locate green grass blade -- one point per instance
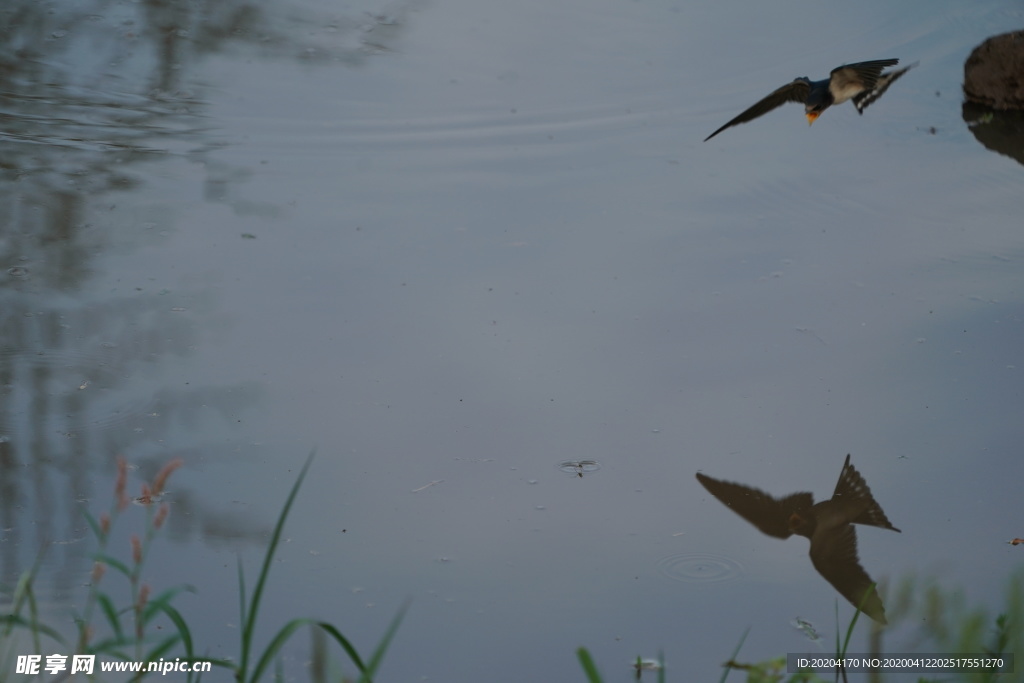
(12, 620)
(162, 647)
(241, 592)
(93, 524)
(186, 641)
(249, 624)
(378, 654)
(587, 662)
(157, 604)
(182, 626)
(33, 609)
(349, 649)
(366, 669)
(110, 612)
(275, 645)
(25, 595)
(732, 657)
(22, 592)
(839, 648)
(112, 561)
(853, 622)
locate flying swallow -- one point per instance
(862, 82)
(828, 525)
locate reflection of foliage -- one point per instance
(770, 671)
(105, 46)
(290, 32)
(89, 91)
(945, 624)
(91, 87)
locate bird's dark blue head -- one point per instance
(818, 100)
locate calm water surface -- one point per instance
(479, 258)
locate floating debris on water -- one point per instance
(646, 665)
(807, 629)
(150, 499)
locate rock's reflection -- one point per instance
(828, 525)
(993, 106)
(999, 131)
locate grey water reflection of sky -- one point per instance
(457, 244)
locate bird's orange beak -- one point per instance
(812, 116)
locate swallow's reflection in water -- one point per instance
(828, 525)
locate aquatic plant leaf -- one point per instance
(587, 662)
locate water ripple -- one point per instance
(700, 567)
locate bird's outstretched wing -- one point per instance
(851, 488)
(852, 80)
(862, 100)
(796, 91)
(860, 74)
(834, 555)
(769, 514)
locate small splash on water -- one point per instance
(702, 567)
(579, 467)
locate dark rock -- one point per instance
(994, 73)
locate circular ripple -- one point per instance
(702, 567)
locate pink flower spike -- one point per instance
(136, 549)
(161, 515)
(161, 477)
(122, 481)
